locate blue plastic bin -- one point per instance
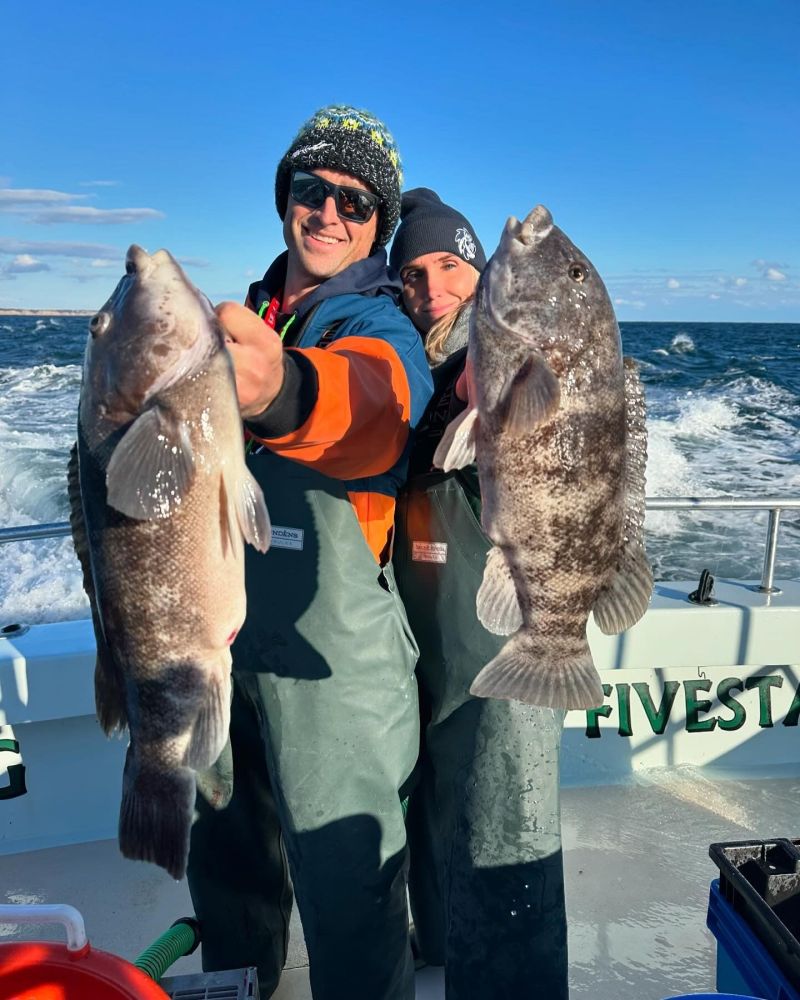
(744, 966)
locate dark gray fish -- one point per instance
(557, 424)
(161, 501)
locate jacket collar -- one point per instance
(370, 277)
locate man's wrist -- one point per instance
(294, 402)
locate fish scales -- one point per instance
(161, 502)
(556, 426)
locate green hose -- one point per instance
(181, 939)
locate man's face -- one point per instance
(320, 243)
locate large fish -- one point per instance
(557, 424)
(161, 501)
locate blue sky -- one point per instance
(663, 137)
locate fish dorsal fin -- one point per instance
(152, 467)
(457, 447)
(247, 515)
(109, 684)
(497, 603)
(532, 396)
(624, 599)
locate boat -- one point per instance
(696, 742)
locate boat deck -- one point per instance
(637, 871)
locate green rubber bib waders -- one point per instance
(324, 733)
(486, 879)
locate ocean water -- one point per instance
(723, 420)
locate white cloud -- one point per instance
(46, 207)
(23, 264)
(47, 248)
(770, 269)
(103, 263)
(635, 303)
(14, 199)
(673, 283)
(740, 281)
(713, 295)
(99, 184)
(94, 216)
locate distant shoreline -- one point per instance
(47, 312)
(670, 322)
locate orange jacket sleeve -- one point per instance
(360, 421)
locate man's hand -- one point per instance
(257, 355)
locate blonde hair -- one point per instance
(441, 330)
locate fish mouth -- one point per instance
(537, 225)
(518, 237)
(164, 291)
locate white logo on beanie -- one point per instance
(465, 244)
(305, 150)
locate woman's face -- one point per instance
(435, 284)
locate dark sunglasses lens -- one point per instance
(355, 205)
(352, 204)
(308, 190)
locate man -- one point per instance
(331, 378)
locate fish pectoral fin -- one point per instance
(457, 446)
(497, 602)
(533, 396)
(248, 517)
(211, 725)
(624, 599)
(152, 467)
(529, 672)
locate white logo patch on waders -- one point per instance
(429, 552)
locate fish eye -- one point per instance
(577, 272)
(99, 323)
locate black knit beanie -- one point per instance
(355, 142)
(427, 225)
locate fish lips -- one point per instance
(519, 239)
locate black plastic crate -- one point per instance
(760, 879)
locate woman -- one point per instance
(486, 877)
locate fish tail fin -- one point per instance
(526, 670)
(210, 729)
(155, 816)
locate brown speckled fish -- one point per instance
(557, 425)
(161, 501)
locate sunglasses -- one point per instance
(352, 204)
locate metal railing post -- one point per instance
(768, 573)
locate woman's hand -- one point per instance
(257, 355)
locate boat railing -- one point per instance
(775, 506)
